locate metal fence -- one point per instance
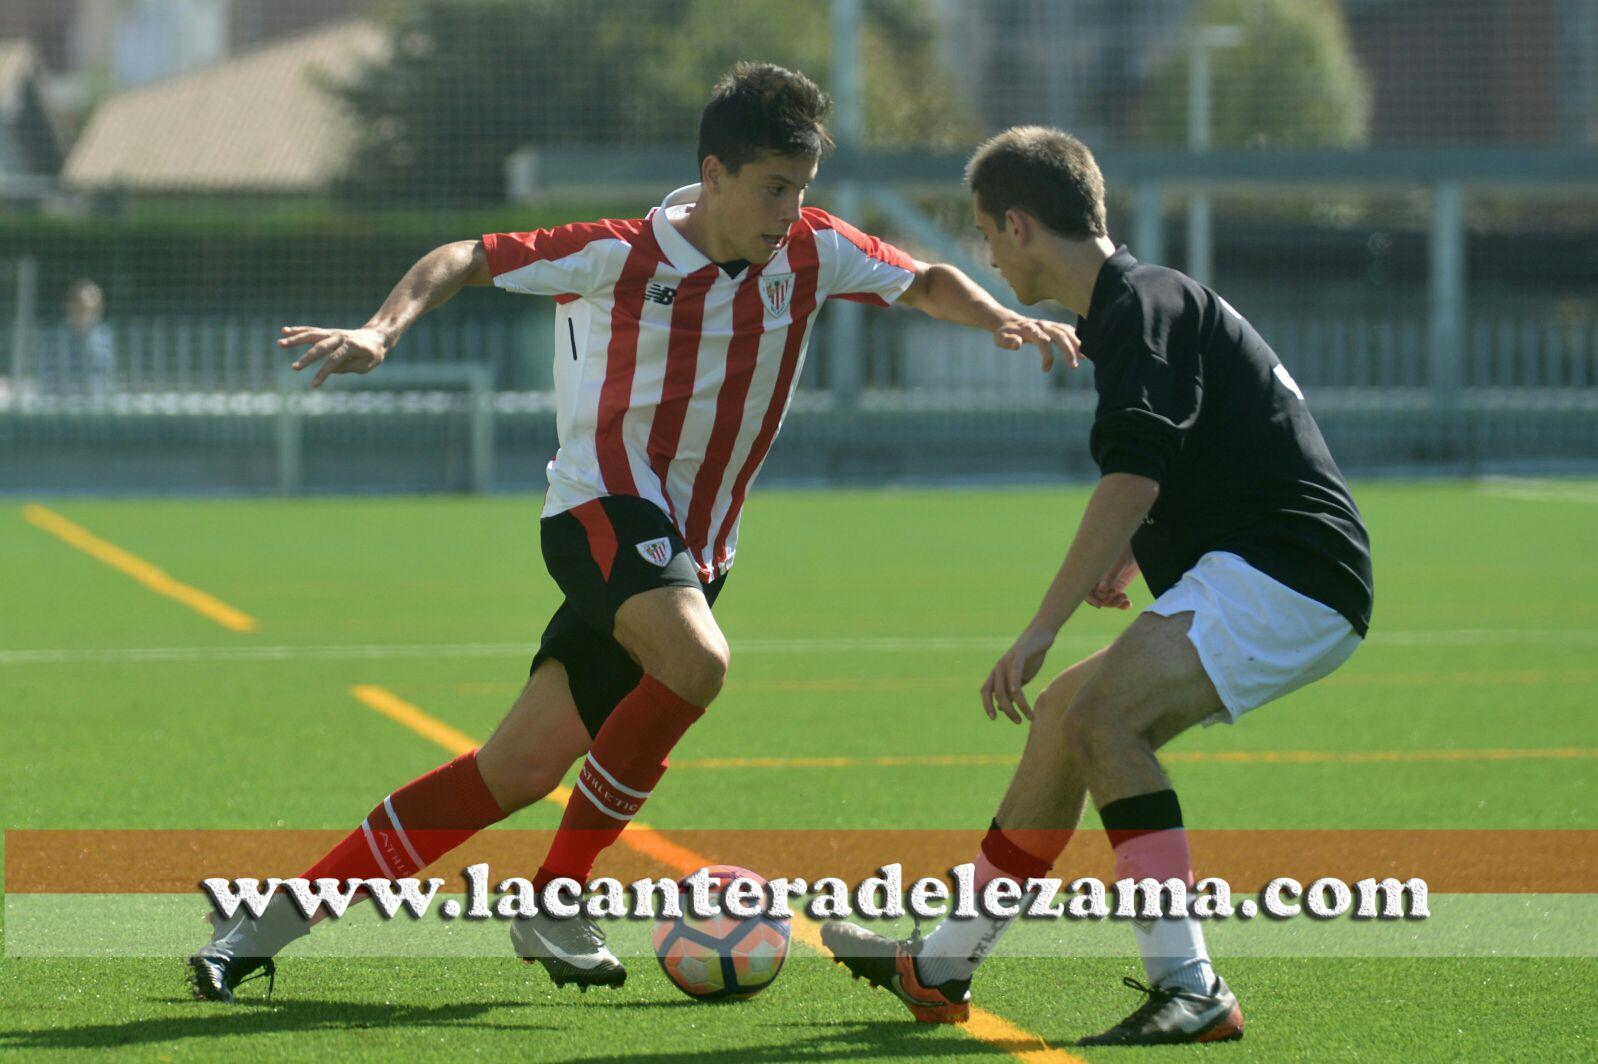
(206, 404)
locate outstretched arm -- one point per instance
(945, 293)
(435, 278)
(1118, 506)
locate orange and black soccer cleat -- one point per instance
(891, 964)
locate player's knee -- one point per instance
(518, 778)
(697, 672)
(1049, 707)
(1092, 729)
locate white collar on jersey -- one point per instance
(683, 255)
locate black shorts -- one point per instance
(601, 554)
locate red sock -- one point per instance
(626, 760)
(414, 826)
(1019, 854)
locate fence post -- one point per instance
(481, 449)
(22, 324)
(289, 450)
(846, 328)
(1446, 332)
(1148, 223)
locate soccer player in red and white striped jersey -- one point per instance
(679, 340)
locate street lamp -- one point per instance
(1200, 237)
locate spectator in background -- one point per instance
(80, 355)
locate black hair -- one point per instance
(762, 109)
(1046, 172)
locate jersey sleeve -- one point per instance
(1150, 382)
(861, 267)
(569, 260)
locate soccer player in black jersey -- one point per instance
(1217, 485)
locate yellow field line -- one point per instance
(402, 712)
(131, 565)
(1219, 757)
(984, 1026)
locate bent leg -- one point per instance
(1150, 688)
(1034, 823)
(1046, 792)
(670, 633)
(538, 741)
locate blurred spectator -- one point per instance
(79, 356)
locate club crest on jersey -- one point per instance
(656, 551)
(775, 291)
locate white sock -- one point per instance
(958, 945)
(1174, 954)
(1173, 949)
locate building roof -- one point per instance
(258, 122)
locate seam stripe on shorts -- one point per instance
(601, 535)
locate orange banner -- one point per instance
(1465, 862)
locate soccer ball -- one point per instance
(724, 958)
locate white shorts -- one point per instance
(1257, 638)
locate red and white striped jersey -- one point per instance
(671, 377)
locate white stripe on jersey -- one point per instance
(622, 384)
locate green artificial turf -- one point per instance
(861, 626)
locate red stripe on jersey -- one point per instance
(601, 535)
(682, 362)
(512, 251)
(621, 361)
(880, 250)
(748, 324)
(805, 261)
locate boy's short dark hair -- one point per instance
(759, 109)
(1045, 172)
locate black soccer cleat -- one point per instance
(216, 973)
(891, 964)
(572, 950)
(1172, 1016)
(242, 948)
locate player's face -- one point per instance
(1006, 255)
(760, 203)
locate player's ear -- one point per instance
(1019, 225)
(710, 173)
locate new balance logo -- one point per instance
(659, 293)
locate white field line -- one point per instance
(1531, 490)
(1440, 637)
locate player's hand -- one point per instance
(1110, 591)
(339, 350)
(1049, 336)
(1002, 691)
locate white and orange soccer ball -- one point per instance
(724, 958)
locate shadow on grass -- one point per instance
(840, 1041)
(211, 1020)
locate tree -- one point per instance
(907, 101)
(1293, 82)
(467, 82)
